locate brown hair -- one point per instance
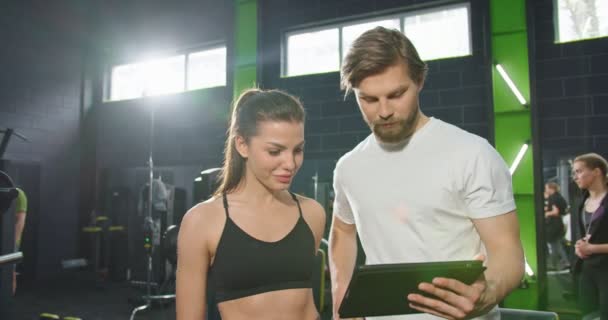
(553, 186)
(594, 161)
(374, 51)
(252, 107)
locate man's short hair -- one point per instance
(374, 51)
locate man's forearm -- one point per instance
(505, 271)
(342, 258)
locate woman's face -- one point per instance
(275, 154)
(583, 176)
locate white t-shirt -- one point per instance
(415, 203)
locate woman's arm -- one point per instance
(192, 267)
(585, 249)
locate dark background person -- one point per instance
(555, 208)
(592, 249)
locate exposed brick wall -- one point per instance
(457, 90)
(571, 91)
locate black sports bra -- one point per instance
(246, 266)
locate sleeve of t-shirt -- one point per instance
(561, 204)
(342, 208)
(21, 203)
(488, 188)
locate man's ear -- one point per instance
(421, 84)
(241, 146)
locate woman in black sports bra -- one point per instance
(252, 245)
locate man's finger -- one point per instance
(437, 306)
(449, 296)
(480, 256)
(472, 292)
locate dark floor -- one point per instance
(81, 294)
(560, 295)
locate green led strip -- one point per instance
(513, 128)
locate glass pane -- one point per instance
(581, 19)
(313, 52)
(207, 69)
(164, 75)
(427, 31)
(127, 82)
(350, 33)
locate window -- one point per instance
(350, 33)
(440, 33)
(165, 75)
(313, 52)
(207, 69)
(194, 70)
(319, 50)
(580, 19)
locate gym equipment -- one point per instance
(8, 257)
(519, 314)
(170, 244)
(148, 222)
(149, 230)
(205, 185)
(7, 192)
(8, 133)
(11, 258)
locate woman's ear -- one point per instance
(241, 146)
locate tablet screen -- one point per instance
(381, 290)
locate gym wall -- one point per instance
(457, 90)
(571, 92)
(189, 127)
(41, 60)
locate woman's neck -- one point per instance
(597, 190)
(255, 192)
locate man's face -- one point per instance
(389, 103)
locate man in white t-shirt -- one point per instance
(419, 189)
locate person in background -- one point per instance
(555, 209)
(589, 172)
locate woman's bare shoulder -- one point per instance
(205, 217)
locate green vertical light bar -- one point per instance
(513, 128)
(245, 45)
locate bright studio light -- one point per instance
(510, 83)
(520, 155)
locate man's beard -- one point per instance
(399, 131)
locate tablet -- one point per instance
(381, 290)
